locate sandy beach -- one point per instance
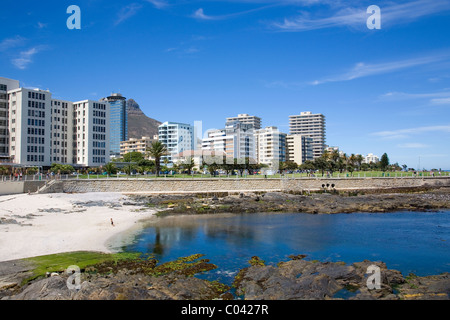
(40, 224)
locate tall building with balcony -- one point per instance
(61, 131)
(246, 119)
(136, 145)
(299, 148)
(29, 126)
(5, 86)
(218, 141)
(243, 142)
(311, 125)
(42, 130)
(90, 133)
(177, 137)
(118, 122)
(270, 146)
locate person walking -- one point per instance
(112, 222)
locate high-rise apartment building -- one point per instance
(29, 126)
(118, 121)
(243, 143)
(61, 132)
(5, 86)
(41, 130)
(299, 148)
(90, 133)
(177, 137)
(246, 119)
(270, 146)
(311, 125)
(218, 141)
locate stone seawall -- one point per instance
(15, 187)
(242, 185)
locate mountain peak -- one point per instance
(140, 125)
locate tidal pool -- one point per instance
(411, 242)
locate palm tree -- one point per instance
(156, 150)
(351, 161)
(188, 165)
(110, 168)
(359, 161)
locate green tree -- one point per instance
(61, 168)
(358, 161)
(133, 156)
(110, 168)
(188, 165)
(308, 165)
(146, 165)
(321, 164)
(384, 162)
(288, 165)
(156, 150)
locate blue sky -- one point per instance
(385, 90)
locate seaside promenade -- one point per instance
(212, 185)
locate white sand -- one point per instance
(74, 228)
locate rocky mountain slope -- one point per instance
(140, 125)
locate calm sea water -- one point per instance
(417, 242)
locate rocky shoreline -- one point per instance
(295, 279)
(324, 202)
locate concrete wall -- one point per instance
(238, 185)
(15, 187)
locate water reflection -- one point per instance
(410, 242)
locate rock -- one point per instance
(302, 279)
(52, 288)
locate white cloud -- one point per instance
(405, 133)
(404, 95)
(25, 58)
(357, 17)
(412, 145)
(441, 101)
(199, 14)
(160, 4)
(10, 43)
(434, 98)
(364, 70)
(127, 12)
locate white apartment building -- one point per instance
(41, 130)
(136, 145)
(177, 137)
(29, 126)
(218, 141)
(371, 158)
(299, 148)
(312, 125)
(242, 145)
(5, 86)
(61, 132)
(90, 133)
(236, 141)
(246, 119)
(270, 146)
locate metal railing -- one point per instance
(357, 175)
